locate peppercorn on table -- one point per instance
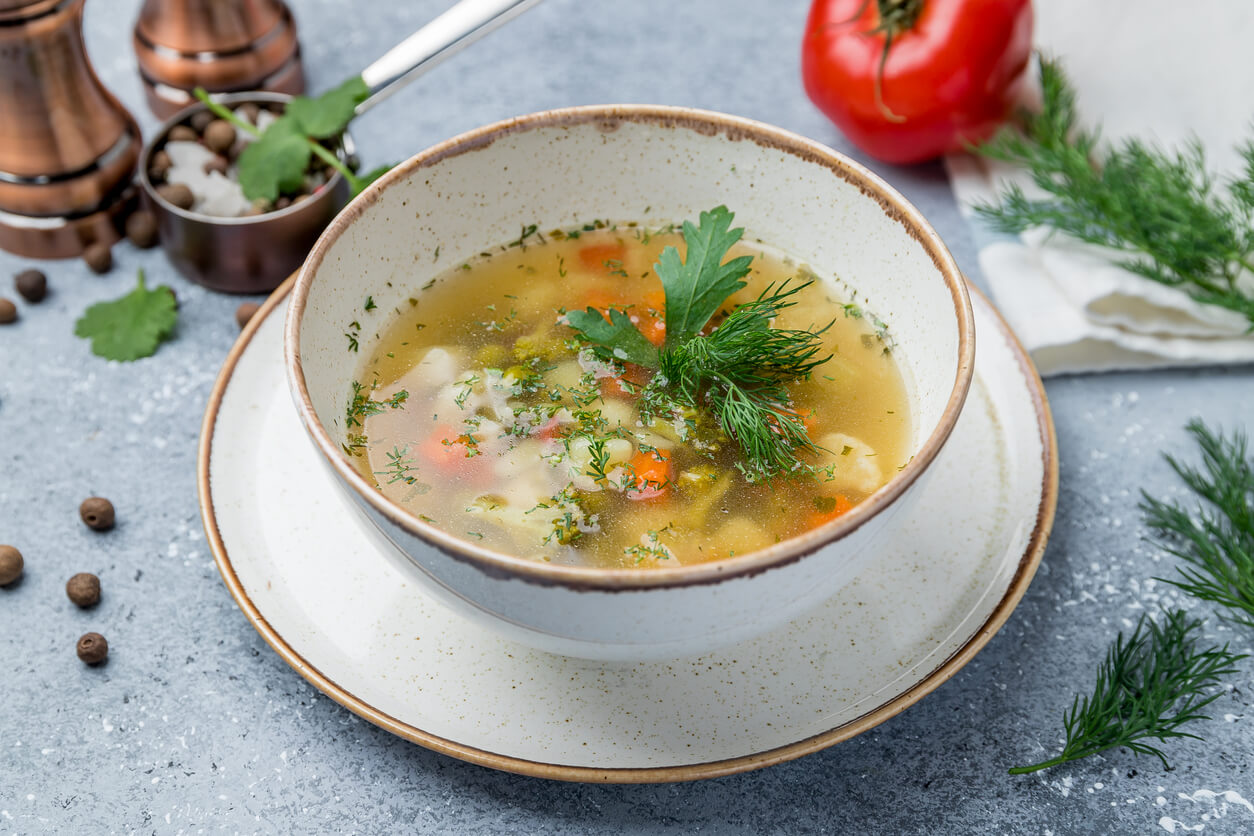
(192, 722)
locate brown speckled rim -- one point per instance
(499, 564)
(1024, 572)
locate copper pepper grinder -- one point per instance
(67, 147)
(224, 46)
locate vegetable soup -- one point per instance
(623, 396)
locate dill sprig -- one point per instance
(1148, 687)
(1158, 206)
(740, 370)
(1216, 540)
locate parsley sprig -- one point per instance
(131, 327)
(740, 369)
(276, 162)
(1159, 207)
(1215, 539)
(1148, 687)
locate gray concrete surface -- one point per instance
(197, 726)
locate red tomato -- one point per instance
(950, 76)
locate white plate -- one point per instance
(304, 567)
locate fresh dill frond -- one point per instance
(740, 371)
(1216, 539)
(1158, 206)
(1148, 688)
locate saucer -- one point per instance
(306, 572)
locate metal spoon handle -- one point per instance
(460, 26)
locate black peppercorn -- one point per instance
(32, 285)
(141, 229)
(178, 194)
(92, 648)
(97, 513)
(8, 311)
(245, 312)
(182, 133)
(99, 257)
(83, 589)
(10, 565)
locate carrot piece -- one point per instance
(594, 256)
(446, 449)
(842, 505)
(806, 414)
(650, 474)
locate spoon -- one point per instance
(254, 254)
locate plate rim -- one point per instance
(1018, 585)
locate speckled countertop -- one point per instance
(195, 725)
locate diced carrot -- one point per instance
(806, 414)
(594, 256)
(446, 449)
(651, 474)
(842, 506)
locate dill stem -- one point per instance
(1024, 770)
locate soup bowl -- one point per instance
(657, 165)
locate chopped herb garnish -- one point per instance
(370, 305)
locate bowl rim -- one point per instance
(507, 566)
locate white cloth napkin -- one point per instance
(1155, 69)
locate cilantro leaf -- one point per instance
(275, 163)
(697, 286)
(616, 339)
(329, 114)
(130, 327)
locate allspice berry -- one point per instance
(201, 120)
(220, 135)
(10, 565)
(99, 257)
(97, 513)
(249, 111)
(141, 229)
(159, 165)
(32, 285)
(182, 133)
(83, 589)
(92, 648)
(216, 163)
(178, 194)
(245, 312)
(8, 311)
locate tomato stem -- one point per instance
(896, 17)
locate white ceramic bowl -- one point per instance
(654, 164)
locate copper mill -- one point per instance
(67, 147)
(224, 46)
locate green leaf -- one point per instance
(360, 181)
(131, 327)
(329, 114)
(275, 163)
(697, 286)
(616, 339)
